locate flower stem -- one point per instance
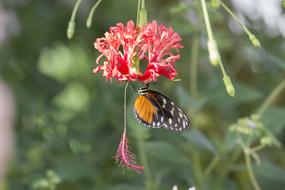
(141, 13)
(138, 11)
(125, 107)
(194, 66)
(196, 164)
(143, 4)
(250, 171)
(271, 97)
(207, 21)
(214, 54)
(90, 16)
(258, 148)
(212, 165)
(252, 37)
(71, 23)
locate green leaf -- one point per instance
(186, 99)
(126, 187)
(63, 63)
(166, 152)
(72, 170)
(271, 172)
(274, 119)
(197, 137)
(75, 97)
(243, 94)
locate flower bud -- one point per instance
(175, 187)
(254, 40)
(216, 3)
(89, 22)
(229, 86)
(70, 29)
(213, 53)
(266, 141)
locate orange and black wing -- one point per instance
(154, 109)
(145, 111)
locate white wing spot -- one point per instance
(180, 114)
(161, 119)
(170, 121)
(172, 103)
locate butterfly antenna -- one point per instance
(174, 80)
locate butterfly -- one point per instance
(155, 110)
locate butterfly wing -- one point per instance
(174, 118)
(154, 109)
(146, 111)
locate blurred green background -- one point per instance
(69, 121)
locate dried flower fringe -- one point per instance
(125, 157)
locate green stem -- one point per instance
(271, 97)
(194, 66)
(138, 11)
(212, 165)
(235, 17)
(225, 170)
(143, 4)
(125, 107)
(75, 10)
(141, 14)
(207, 20)
(71, 23)
(149, 179)
(214, 54)
(196, 160)
(250, 171)
(90, 16)
(250, 35)
(258, 148)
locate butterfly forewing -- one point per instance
(145, 111)
(158, 111)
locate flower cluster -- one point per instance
(132, 53)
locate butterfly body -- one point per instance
(155, 110)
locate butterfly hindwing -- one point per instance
(174, 118)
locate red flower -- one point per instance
(125, 157)
(128, 49)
